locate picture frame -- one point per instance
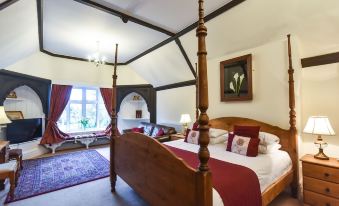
(236, 79)
(12, 95)
(14, 115)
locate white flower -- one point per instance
(241, 78)
(236, 75)
(232, 87)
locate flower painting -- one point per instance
(236, 79)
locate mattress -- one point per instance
(268, 167)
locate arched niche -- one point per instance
(27, 101)
(147, 92)
(127, 114)
(12, 80)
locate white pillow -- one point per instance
(268, 138)
(216, 132)
(268, 149)
(221, 139)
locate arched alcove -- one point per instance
(132, 104)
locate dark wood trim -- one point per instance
(193, 26)
(7, 3)
(176, 85)
(74, 58)
(320, 60)
(40, 24)
(125, 17)
(183, 52)
(135, 86)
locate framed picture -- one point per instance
(14, 115)
(236, 79)
(12, 95)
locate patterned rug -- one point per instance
(40, 176)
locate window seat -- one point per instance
(85, 138)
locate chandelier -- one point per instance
(97, 58)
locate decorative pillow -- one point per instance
(247, 131)
(148, 130)
(269, 149)
(160, 132)
(217, 140)
(216, 132)
(268, 138)
(195, 126)
(243, 145)
(138, 129)
(186, 134)
(193, 137)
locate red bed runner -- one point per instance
(236, 185)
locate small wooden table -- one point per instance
(4, 148)
(321, 181)
(176, 136)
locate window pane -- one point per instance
(103, 117)
(75, 116)
(91, 95)
(91, 114)
(62, 122)
(76, 94)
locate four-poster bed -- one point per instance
(160, 177)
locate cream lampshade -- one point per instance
(184, 120)
(3, 117)
(319, 125)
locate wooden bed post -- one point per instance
(196, 93)
(204, 191)
(113, 122)
(293, 128)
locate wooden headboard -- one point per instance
(227, 123)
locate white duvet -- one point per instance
(268, 167)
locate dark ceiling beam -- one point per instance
(176, 85)
(320, 60)
(183, 52)
(74, 58)
(208, 17)
(125, 17)
(41, 38)
(7, 3)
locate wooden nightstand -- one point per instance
(176, 136)
(321, 181)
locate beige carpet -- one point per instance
(97, 193)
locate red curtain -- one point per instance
(59, 99)
(106, 94)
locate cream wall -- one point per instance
(66, 71)
(270, 89)
(320, 96)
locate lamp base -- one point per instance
(321, 155)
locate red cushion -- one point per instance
(186, 135)
(160, 132)
(195, 126)
(244, 145)
(247, 131)
(137, 129)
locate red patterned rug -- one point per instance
(44, 175)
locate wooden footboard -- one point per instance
(158, 175)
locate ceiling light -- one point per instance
(97, 58)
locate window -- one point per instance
(85, 105)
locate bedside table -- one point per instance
(176, 136)
(321, 181)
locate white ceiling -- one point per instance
(173, 15)
(19, 32)
(72, 29)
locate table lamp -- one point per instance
(319, 125)
(184, 120)
(3, 117)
